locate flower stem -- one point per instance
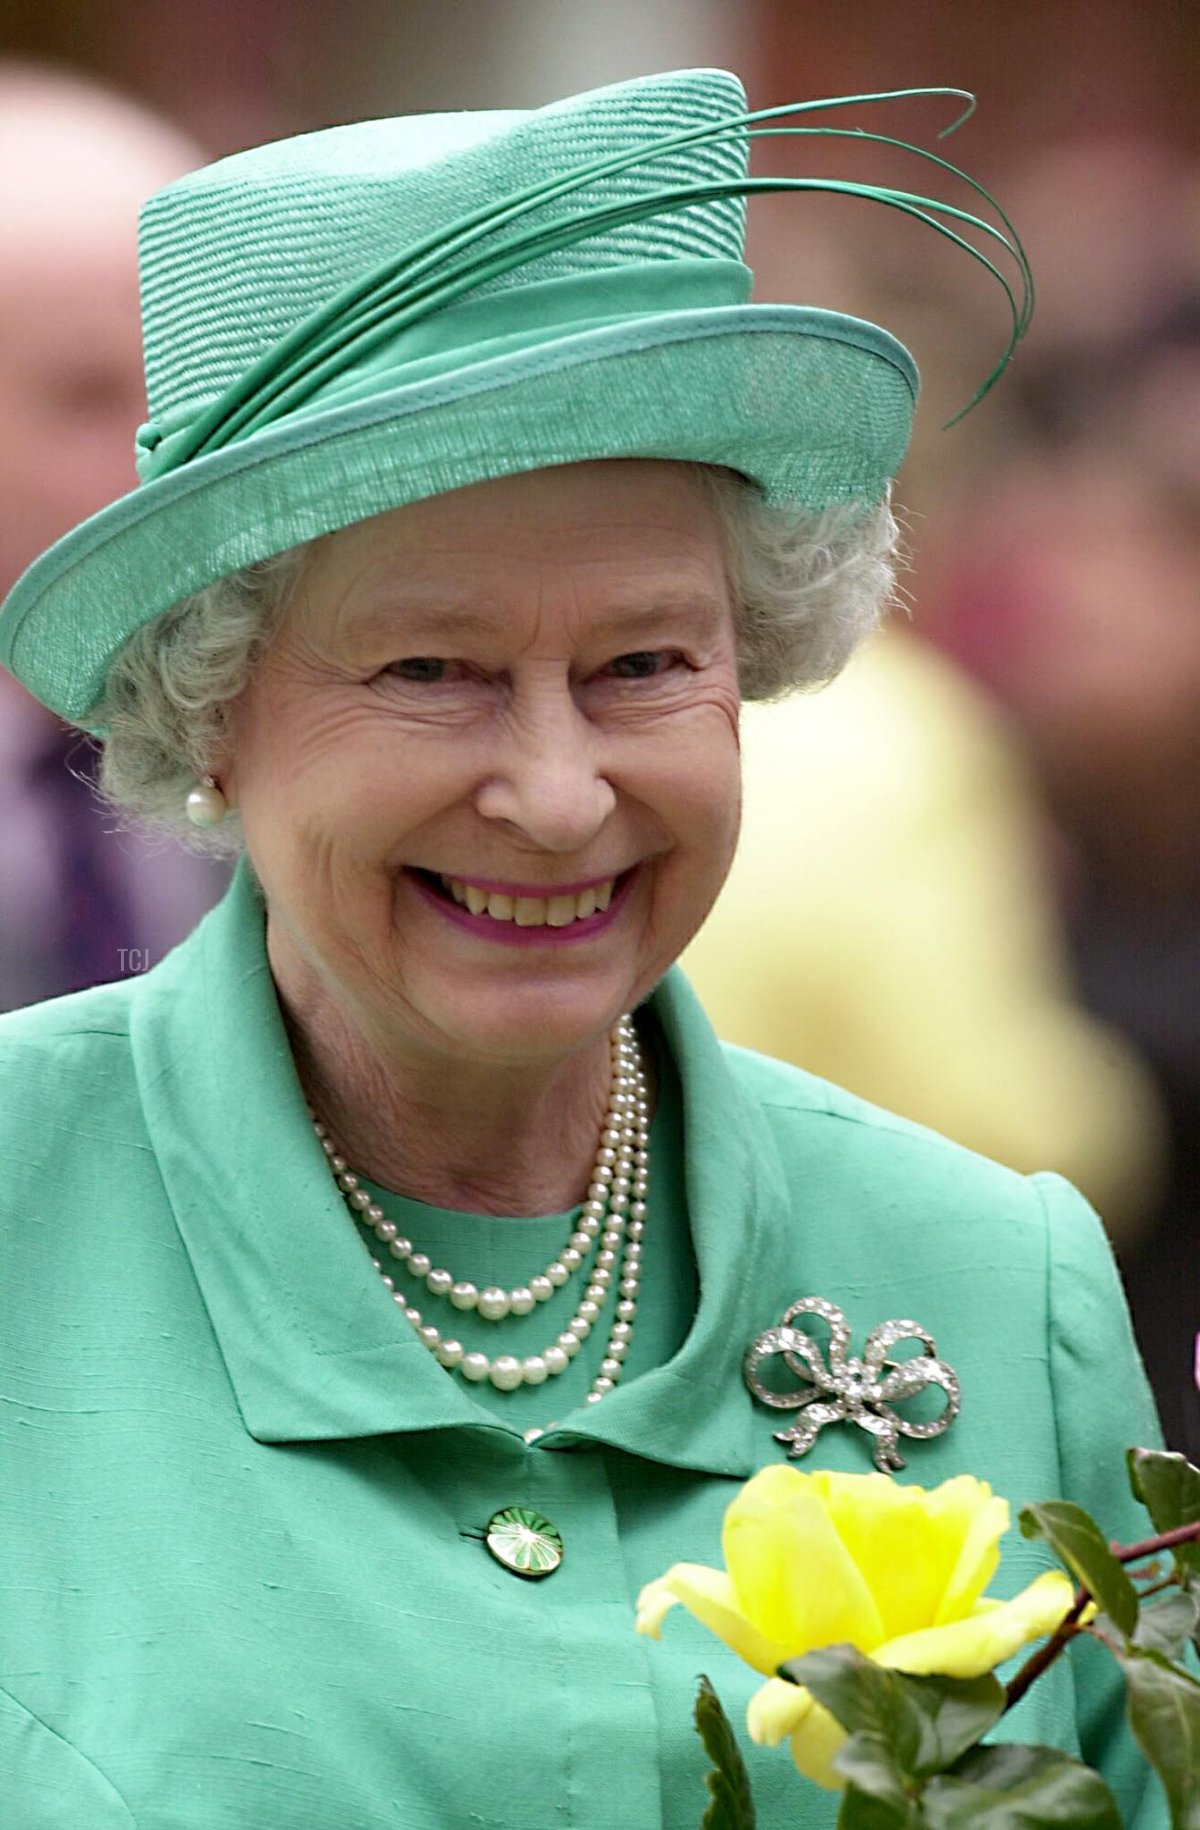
(1149, 1547)
(1046, 1655)
(1069, 1626)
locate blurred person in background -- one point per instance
(79, 901)
(890, 921)
(1068, 579)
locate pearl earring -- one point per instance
(206, 805)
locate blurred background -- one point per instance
(986, 909)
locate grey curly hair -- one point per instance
(807, 588)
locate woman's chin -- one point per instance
(522, 1022)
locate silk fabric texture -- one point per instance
(237, 1493)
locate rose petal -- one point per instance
(709, 1594)
(780, 1710)
(795, 1580)
(968, 1648)
(979, 1557)
(776, 1710)
(653, 1605)
(910, 1544)
(818, 1738)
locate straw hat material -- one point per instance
(342, 323)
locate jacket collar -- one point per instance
(310, 1351)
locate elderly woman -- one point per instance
(401, 1236)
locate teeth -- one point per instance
(531, 911)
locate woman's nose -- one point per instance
(546, 778)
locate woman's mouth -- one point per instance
(557, 911)
(510, 907)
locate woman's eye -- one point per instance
(643, 664)
(421, 670)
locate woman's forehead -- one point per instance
(623, 535)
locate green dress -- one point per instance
(241, 1505)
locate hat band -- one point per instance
(477, 330)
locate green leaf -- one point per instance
(1080, 1543)
(865, 1810)
(732, 1806)
(1016, 1788)
(860, 1694)
(955, 1713)
(1164, 1713)
(1169, 1488)
(884, 1740)
(866, 1761)
(923, 1723)
(1166, 1624)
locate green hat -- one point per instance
(342, 323)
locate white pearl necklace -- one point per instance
(614, 1213)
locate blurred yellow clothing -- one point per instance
(889, 923)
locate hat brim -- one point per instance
(812, 406)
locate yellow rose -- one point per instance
(818, 1559)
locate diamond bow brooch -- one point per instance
(850, 1390)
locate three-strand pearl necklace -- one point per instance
(612, 1221)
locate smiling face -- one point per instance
(488, 767)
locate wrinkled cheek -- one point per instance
(706, 832)
(719, 816)
(338, 901)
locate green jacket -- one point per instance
(237, 1494)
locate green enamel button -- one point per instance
(524, 1541)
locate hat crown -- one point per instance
(238, 253)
